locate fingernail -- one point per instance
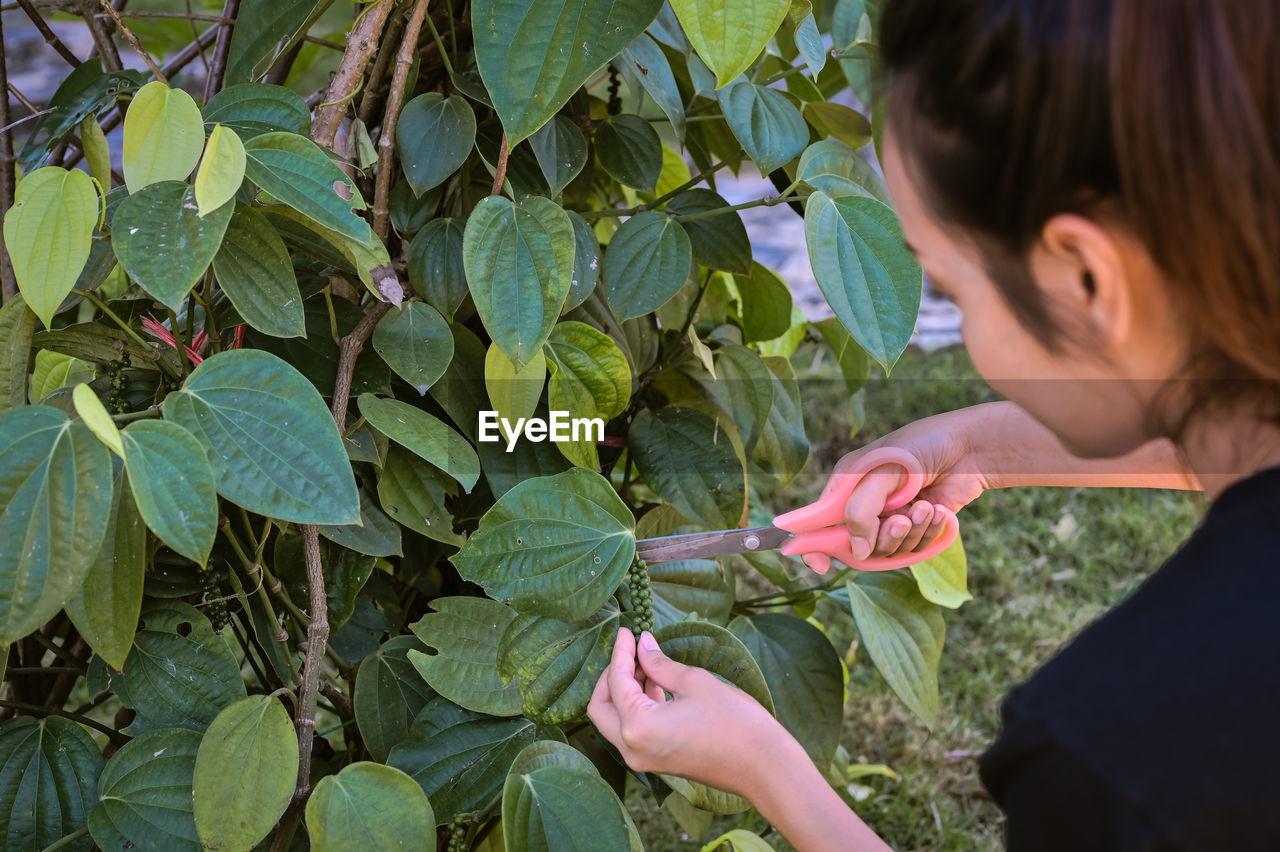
(899, 528)
(919, 513)
(861, 548)
(647, 642)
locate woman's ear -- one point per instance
(1081, 266)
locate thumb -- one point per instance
(862, 509)
(661, 669)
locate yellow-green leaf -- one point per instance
(95, 416)
(221, 170)
(944, 578)
(96, 152)
(48, 232)
(729, 34)
(163, 136)
(513, 390)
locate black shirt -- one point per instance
(1158, 727)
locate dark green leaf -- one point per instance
(766, 304)
(49, 772)
(180, 673)
(145, 793)
(686, 459)
(519, 266)
(589, 378)
(415, 341)
(345, 573)
(804, 676)
(903, 633)
(424, 435)
(235, 809)
(270, 438)
(412, 492)
(87, 90)
(316, 354)
(629, 149)
(854, 364)
(410, 213)
(561, 151)
(254, 270)
(298, 172)
(251, 109)
(434, 136)
(556, 809)
(719, 242)
(783, 447)
(388, 694)
(461, 764)
(837, 120)
(436, 267)
(870, 279)
(17, 324)
(769, 127)
(460, 390)
(534, 54)
(505, 470)
(743, 390)
(162, 242)
(260, 25)
(648, 261)
(376, 535)
(106, 605)
(369, 807)
(557, 663)
(699, 586)
(55, 501)
(465, 633)
(556, 545)
(586, 261)
(173, 485)
(646, 60)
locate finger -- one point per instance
(862, 511)
(818, 562)
(921, 514)
(624, 689)
(893, 529)
(661, 669)
(655, 691)
(935, 529)
(602, 713)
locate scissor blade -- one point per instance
(709, 545)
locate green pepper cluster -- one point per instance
(119, 384)
(458, 833)
(641, 596)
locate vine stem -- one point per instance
(49, 36)
(361, 44)
(381, 63)
(782, 598)
(133, 40)
(115, 736)
(8, 283)
(221, 48)
(68, 840)
(661, 199)
(101, 38)
(767, 201)
(391, 116)
(500, 174)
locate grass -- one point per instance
(1043, 563)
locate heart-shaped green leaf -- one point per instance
(418, 431)
(465, 633)
(783, 447)
(534, 54)
(298, 172)
(837, 170)
(719, 242)
(251, 109)
(17, 324)
(870, 279)
(260, 25)
(162, 241)
(163, 136)
(561, 151)
(269, 437)
(106, 605)
(514, 392)
(436, 266)
(372, 807)
(434, 136)
(943, 579)
(375, 535)
(388, 694)
(769, 127)
(586, 262)
(49, 772)
(903, 633)
(415, 341)
(680, 455)
(146, 794)
(629, 149)
(48, 233)
(766, 304)
(412, 492)
(173, 485)
(653, 70)
(55, 499)
(519, 265)
(236, 809)
(589, 378)
(556, 545)
(221, 169)
(730, 34)
(561, 809)
(254, 270)
(648, 261)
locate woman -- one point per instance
(1096, 183)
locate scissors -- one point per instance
(816, 528)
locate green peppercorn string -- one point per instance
(641, 596)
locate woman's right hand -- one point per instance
(952, 479)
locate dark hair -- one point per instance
(1164, 113)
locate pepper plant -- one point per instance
(260, 570)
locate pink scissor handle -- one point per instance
(819, 527)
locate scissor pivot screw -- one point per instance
(751, 542)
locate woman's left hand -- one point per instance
(709, 731)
